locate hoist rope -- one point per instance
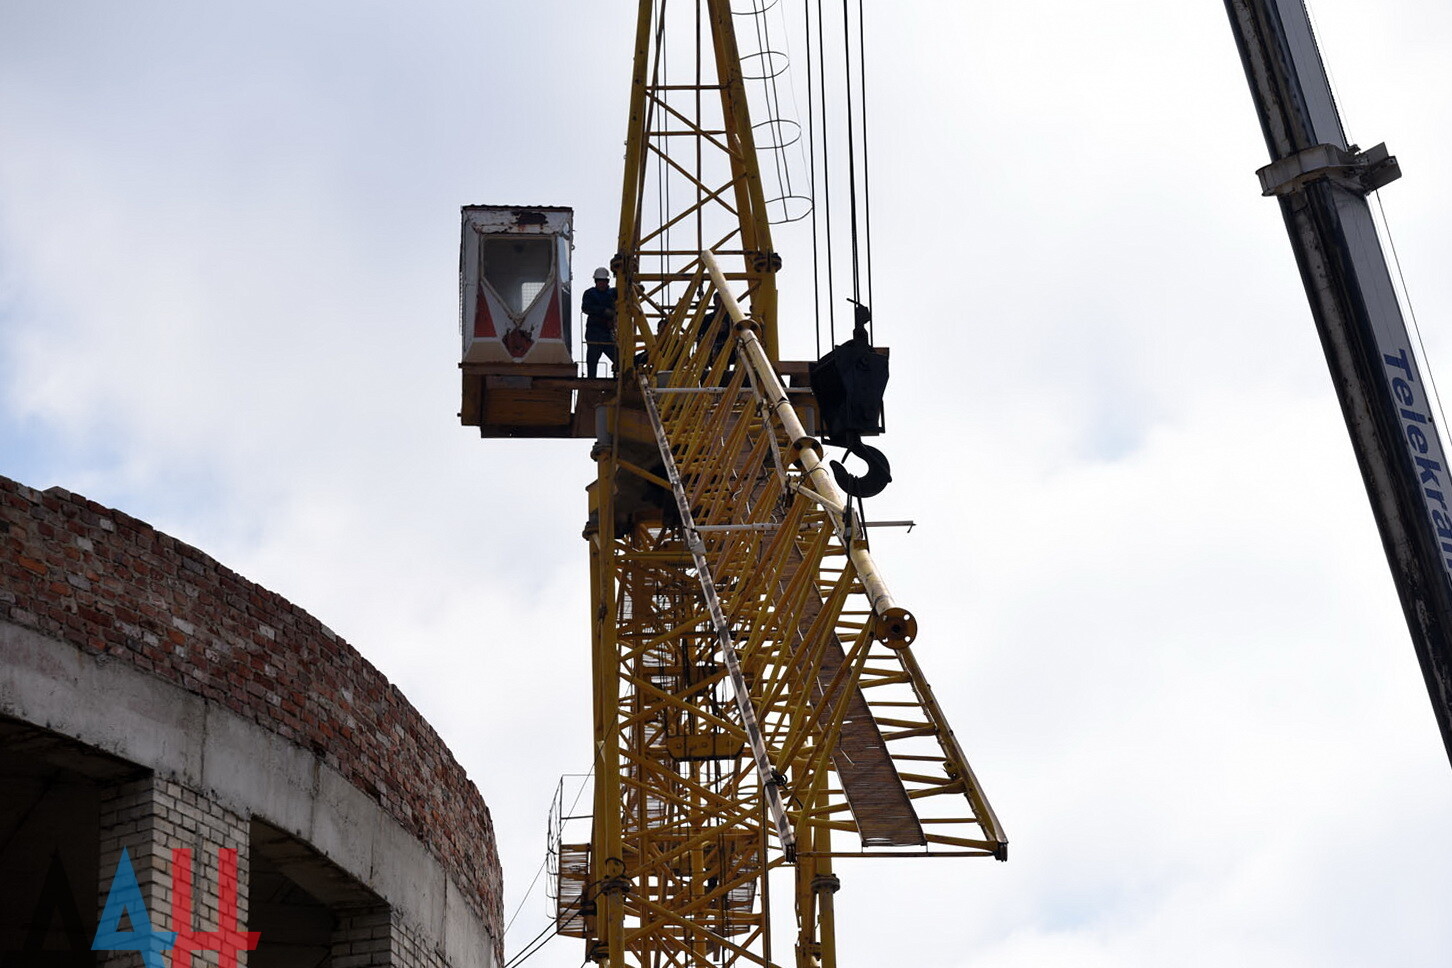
(554, 924)
(527, 892)
(821, 159)
(826, 176)
(812, 178)
(537, 943)
(662, 183)
(542, 864)
(866, 181)
(1404, 294)
(547, 934)
(1411, 313)
(699, 166)
(851, 150)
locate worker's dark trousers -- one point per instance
(593, 354)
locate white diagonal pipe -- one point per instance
(896, 626)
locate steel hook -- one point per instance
(879, 471)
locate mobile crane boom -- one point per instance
(1322, 182)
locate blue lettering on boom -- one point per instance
(1418, 443)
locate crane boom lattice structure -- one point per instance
(756, 691)
(756, 686)
(758, 710)
(692, 182)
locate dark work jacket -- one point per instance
(598, 305)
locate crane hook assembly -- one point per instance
(848, 383)
(879, 471)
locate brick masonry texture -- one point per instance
(151, 816)
(407, 947)
(114, 586)
(366, 937)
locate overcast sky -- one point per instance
(1151, 594)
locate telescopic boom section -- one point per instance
(1322, 184)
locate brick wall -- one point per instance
(151, 817)
(411, 948)
(75, 570)
(376, 937)
(365, 938)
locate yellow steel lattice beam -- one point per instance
(757, 702)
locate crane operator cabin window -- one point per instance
(517, 269)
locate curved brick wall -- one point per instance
(75, 570)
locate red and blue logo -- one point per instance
(126, 906)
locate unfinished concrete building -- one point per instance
(153, 701)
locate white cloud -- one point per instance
(1152, 598)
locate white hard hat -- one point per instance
(602, 273)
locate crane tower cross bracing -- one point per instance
(758, 708)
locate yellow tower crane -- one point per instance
(758, 707)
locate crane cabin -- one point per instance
(515, 321)
(519, 374)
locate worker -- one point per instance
(598, 305)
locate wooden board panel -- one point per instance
(527, 408)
